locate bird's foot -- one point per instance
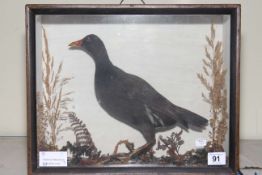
(138, 153)
(143, 153)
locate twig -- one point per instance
(126, 142)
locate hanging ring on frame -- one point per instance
(143, 2)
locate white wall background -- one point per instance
(13, 77)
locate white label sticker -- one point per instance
(200, 143)
(216, 158)
(52, 158)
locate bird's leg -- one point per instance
(149, 134)
(142, 150)
(139, 151)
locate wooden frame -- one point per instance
(233, 10)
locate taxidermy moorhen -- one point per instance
(133, 101)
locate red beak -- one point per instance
(76, 44)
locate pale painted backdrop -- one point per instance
(12, 63)
(168, 55)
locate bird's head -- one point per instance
(91, 44)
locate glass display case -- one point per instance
(133, 88)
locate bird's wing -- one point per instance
(171, 115)
(162, 113)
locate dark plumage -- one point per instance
(131, 100)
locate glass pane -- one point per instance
(158, 83)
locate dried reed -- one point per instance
(213, 79)
(54, 99)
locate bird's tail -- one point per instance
(190, 120)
